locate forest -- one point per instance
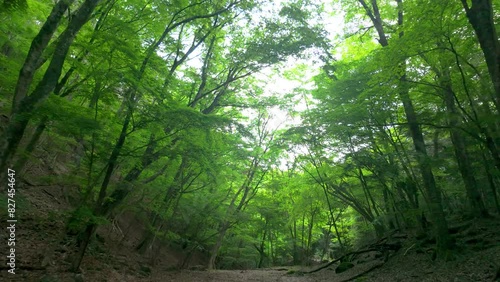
(250, 140)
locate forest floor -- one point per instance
(42, 255)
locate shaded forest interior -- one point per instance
(147, 134)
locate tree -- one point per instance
(24, 106)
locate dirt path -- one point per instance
(230, 276)
(263, 275)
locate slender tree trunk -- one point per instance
(295, 256)
(124, 188)
(491, 182)
(98, 209)
(215, 249)
(31, 144)
(271, 248)
(388, 210)
(432, 191)
(89, 230)
(309, 236)
(462, 156)
(303, 230)
(261, 249)
(333, 219)
(364, 184)
(337, 233)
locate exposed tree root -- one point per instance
(341, 258)
(363, 273)
(382, 245)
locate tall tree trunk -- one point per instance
(433, 193)
(461, 154)
(38, 45)
(24, 110)
(480, 16)
(98, 209)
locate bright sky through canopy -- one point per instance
(274, 80)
